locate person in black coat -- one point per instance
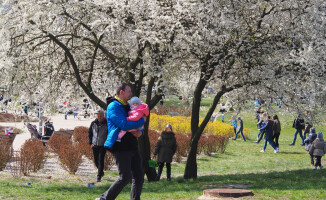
(298, 124)
(165, 148)
(97, 134)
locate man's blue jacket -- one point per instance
(117, 120)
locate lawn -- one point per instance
(285, 175)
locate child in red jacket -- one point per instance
(138, 110)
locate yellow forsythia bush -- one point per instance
(181, 124)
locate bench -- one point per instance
(34, 134)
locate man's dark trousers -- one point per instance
(99, 154)
(129, 165)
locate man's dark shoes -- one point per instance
(99, 178)
(291, 144)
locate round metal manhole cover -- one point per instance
(227, 192)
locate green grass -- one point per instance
(286, 175)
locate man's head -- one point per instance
(100, 115)
(124, 92)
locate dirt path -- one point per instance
(52, 167)
(58, 122)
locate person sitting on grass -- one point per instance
(318, 149)
(138, 111)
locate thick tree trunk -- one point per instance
(145, 147)
(144, 144)
(191, 165)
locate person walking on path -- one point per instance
(276, 130)
(165, 148)
(311, 138)
(318, 149)
(298, 124)
(268, 127)
(97, 134)
(76, 109)
(126, 152)
(240, 129)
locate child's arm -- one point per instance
(135, 116)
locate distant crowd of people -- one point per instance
(269, 128)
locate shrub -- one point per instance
(70, 157)
(5, 155)
(80, 133)
(108, 161)
(56, 141)
(246, 132)
(32, 156)
(183, 146)
(182, 124)
(222, 141)
(80, 137)
(209, 144)
(153, 137)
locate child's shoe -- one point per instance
(321, 167)
(315, 168)
(262, 151)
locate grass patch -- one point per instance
(286, 175)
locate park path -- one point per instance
(58, 122)
(52, 165)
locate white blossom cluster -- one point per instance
(258, 48)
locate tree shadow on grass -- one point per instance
(293, 153)
(287, 180)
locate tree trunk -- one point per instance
(191, 165)
(145, 147)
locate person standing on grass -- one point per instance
(97, 134)
(268, 127)
(307, 129)
(311, 138)
(240, 129)
(165, 148)
(234, 124)
(276, 130)
(318, 149)
(262, 122)
(298, 124)
(126, 152)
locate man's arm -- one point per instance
(137, 133)
(116, 116)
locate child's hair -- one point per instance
(135, 100)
